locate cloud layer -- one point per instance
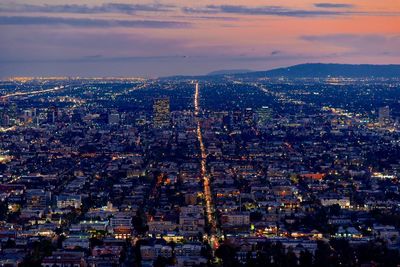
(85, 9)
(88, 22)
(262, 10)
(333, 5)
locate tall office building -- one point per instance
(29, 115)
(113, 118)
(248, 116)
(263, 115)
(384, 115)
(52, 114)
(161, 112)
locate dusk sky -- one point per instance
(158, 38)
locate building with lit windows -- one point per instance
(384, 115)
(161, 112)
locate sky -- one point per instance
(155, 38)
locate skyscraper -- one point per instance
(384, 115)
(161, 112)
(52, 114)
(263, 115)
(113, 118)
(248, 116)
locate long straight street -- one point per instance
(209, 205)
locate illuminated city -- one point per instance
(199, 133)
(190, 171)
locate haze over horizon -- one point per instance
(160, 38)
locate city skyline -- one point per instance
(158, 38)
(235, 171)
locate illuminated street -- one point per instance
(55, 89)
(205, 177)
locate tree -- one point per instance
(306, 258)
(227, 253)
(160, 262)
(139, 222)
(255, 216)
(345, 252)
(3, 210)
(323, 255)
(94, 242)
(334, 210)
(9, 244)
(39, 250)
(291, 259)
(278, 254)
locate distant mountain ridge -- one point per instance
(321, 70)
(308, 70)
(229, 72)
